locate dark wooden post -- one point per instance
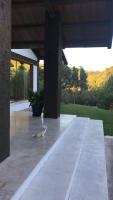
(5, 49)
(52, 69)
(31, 78)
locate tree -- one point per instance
(82, 78)
(41, 77)
(74, 77)
(66, 77)
(109, 84)
(105, 99)
(97, 79)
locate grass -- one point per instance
(91, 112)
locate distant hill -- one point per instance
(97, 79)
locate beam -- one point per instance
(87, 43)
(64, 24)
(38, 53)
(65, 2)
(67, 43)
(34, 3)
(42, 3)
(27, 44)
(22, 58)
(88, 23)
(27, 4)
(27, 26)
(112, 26)
(64, 58)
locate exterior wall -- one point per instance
(29, 53)
(35, 77)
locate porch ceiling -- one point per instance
(85, 23)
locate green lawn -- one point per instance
(91, 112)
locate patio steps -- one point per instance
(73, 169)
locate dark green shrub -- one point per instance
(67, 97)
(102, 97)
(105, 95)
(105, 100)
(83, 97)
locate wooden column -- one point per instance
(31, 78)
(5, 49)
(52, 77)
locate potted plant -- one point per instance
(36, 100)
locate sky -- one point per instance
(92, 59)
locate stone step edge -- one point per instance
(75, 170)
(38, 167)
(76, 164)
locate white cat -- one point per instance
(43, 128)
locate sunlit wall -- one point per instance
(19, 80)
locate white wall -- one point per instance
(25, 52)
(35, 74)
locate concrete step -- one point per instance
(90, 179)
(51, 178)
(73, 169)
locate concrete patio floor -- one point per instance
(26, 150)
(19, 105)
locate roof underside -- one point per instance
(85, 23)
